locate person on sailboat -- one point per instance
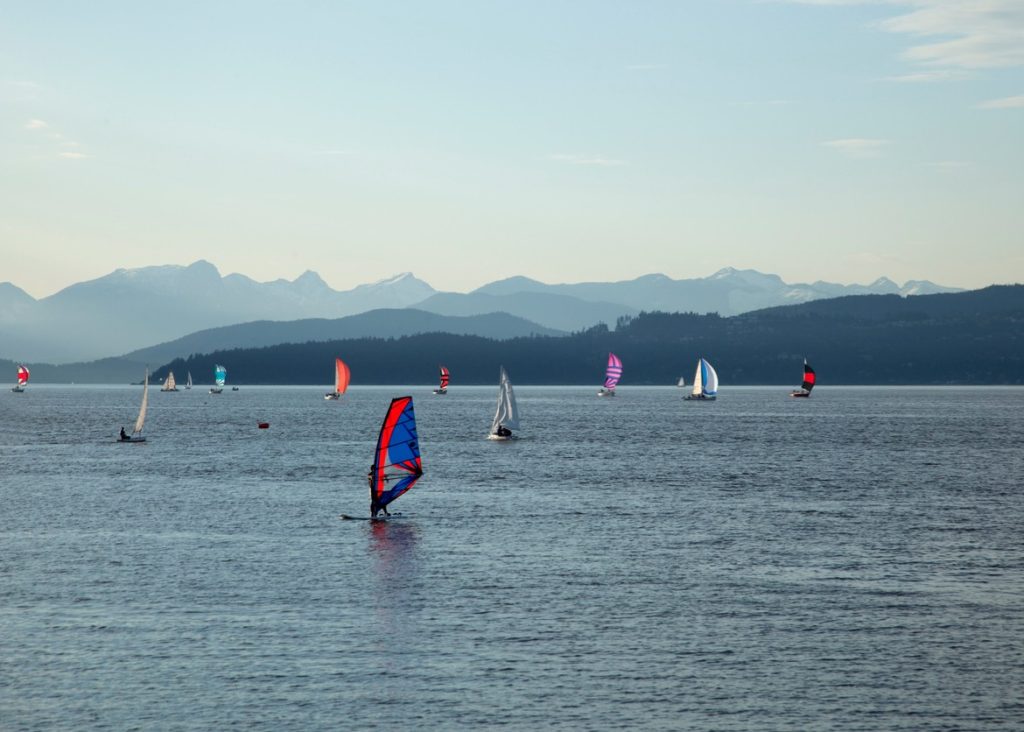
(503, 431)
(124, 435)
(374, 507)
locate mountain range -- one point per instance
(963, 338)
(132, 309)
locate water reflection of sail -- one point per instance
(396, 580)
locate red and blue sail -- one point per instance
(444, 377)
(396, 462)
(614, 372)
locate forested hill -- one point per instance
(963, 338)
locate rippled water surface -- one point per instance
(853, 561)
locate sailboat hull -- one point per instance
(134, 439)
(699, 398)
(215, 390)
(440, 392)
(606, 392)
(501, 438)
(332, 395)
(17, 390)
(803, 394)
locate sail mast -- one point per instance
(140, 421)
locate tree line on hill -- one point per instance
(963, 338)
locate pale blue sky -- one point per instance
(469, 141)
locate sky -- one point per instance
(466, 142)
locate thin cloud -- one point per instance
(931, 77)
(578, 159)
(950, 164)
(73, 155)
(36, 124)
(857, 147)
(1004, 103)
(976, 34)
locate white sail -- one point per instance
(188, 382)
(142, 410)
(711, 387)
(169, 383)
(697, 381)
(507, 414)
(681, 383)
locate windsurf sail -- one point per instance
(507, 414)
(444, 378)
(614, 372)
(809, 378)
(396, 463)
(341, 376)
(220, 375)
(23, 375)
(140, 421)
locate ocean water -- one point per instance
(853, 561)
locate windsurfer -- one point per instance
(375, 507)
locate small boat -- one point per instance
(140, 421)
(681, 383)
(188, 383)
(169, 383)
(220, 375)
(342, 376)
(443, 388)
(506, 418)
(705, 383)
(611, 376)
(23, 375)
(396, 461)
(809, 379)
(234, 388)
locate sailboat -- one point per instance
(705, 383)
(396, 461)
(809, 379)
(23, 375)
(341, 378)
(681, 383)
(169, 383)
(611, 376)
(506, 418)
(220, 375)
(188, 382)
(443, 388)
(136, 435)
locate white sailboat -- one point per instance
(169, 383)
(140, 421)
(506, 418)
(705, 383)
(188, 382)
(681, 383)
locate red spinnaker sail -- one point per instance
(22, 376)
(809, 377)
(444, 377)
(341, 376)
